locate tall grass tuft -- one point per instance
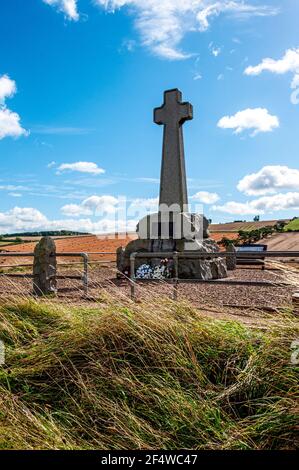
(150, 375)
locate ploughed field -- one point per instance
(284, 242)
(80, 244)
(91, 244)
(246, 226)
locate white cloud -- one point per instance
(7, 88)
(163, 24)
(112, 210)
(295, 81)
(142, 206)
(257, 120)
(269, 180)
(93, 205)
(278, 202)
(29, 219)
(74, 210)
(205, 197)
(10, 124)
(9, 121)
(12, 187)
(239, 9)
(14, 194)
(81, 167)
(216, 51)
(262, 205)
(21, 219)
(109, 205)
(235, 208)
(68, 7)
(288, 63)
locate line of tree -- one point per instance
(13, 240)
(47, 233)
(247, 237)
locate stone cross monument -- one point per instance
(173, 114)
(173, 228)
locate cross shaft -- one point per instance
(172, 114)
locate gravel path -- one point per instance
(232, 299)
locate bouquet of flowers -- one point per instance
(144, 272)
(161, 271)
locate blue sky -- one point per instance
(78, 83)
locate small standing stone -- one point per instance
(231, 260)
(45, 267)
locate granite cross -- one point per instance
(173, 114)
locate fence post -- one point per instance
(132, 276)
(85, 275)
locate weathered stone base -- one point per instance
(188, 268)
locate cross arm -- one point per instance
(186, 112)
(173, 111)
(159, 115)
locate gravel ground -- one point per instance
(248, 303)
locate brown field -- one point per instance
(80, 244)
(284, 242)
(236, 226)
(217, 236)
(109, 243)
(94, 243)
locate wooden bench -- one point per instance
(251, 261)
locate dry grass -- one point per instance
(157, 374)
